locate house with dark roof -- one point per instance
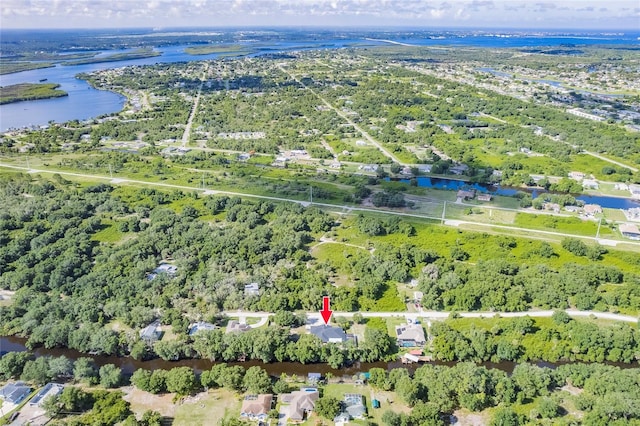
(301, 403)
(256, 407)
(329, 334)
(15, 392)
(236, 327)
(410, 335)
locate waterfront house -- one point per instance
(301, 403)
(256, 407)
(329, 334)
(200, 326)
(151, 333)
(15, 392)
(410, 335)
(630, 230)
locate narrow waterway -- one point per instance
(129, 365)
(454, 185)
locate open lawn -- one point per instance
(207, 408)
(388, 401)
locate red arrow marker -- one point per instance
(326, 312)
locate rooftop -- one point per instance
(327, 333)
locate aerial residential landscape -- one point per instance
(352, 212)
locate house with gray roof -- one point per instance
(354, 408)
(410, 335)
(151, 333)
(200, 326)
(329, 334)
(15, 392)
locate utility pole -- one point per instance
(110, 171)
(598, 232)
(28, 167)
(203, 180)
(311, 194)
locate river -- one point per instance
(85, 102)
(454, 185)
(129, 365)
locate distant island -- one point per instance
(127, 56)
(29, 92)
(218, 48)
(11, 67)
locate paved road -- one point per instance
(187, 130)
(440, 315)
(346, 118)
(500, 229)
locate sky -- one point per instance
(527, 14)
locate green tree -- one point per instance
(181, 380)
(110, 376)
(84, 370)
(328, 407)
(256, 380)
(12, 363)
(36, 371)
(505, 416)
(140, 379)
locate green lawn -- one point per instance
(210, 410)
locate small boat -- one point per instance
(43, 80)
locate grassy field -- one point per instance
(388, 401)
(208, 408)
(29, 91)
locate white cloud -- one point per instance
(485, 13)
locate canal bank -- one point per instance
(275, 369)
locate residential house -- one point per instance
(301, 403)
(630, 230)
(466, 195)
(632, 213)
(576, 176)
(592, 209)
(152, 332)
(459, 169)
(635, 191)
(590, 184)
(256, 407)
(410, 335)
(235, 327)
(484, 197)
(252, 289)
(50, 389)
(15, 392)
(329, 334)
(354, 408)
(200, 326)
(164, 268)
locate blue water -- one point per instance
(454, 185)
(85, 102)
